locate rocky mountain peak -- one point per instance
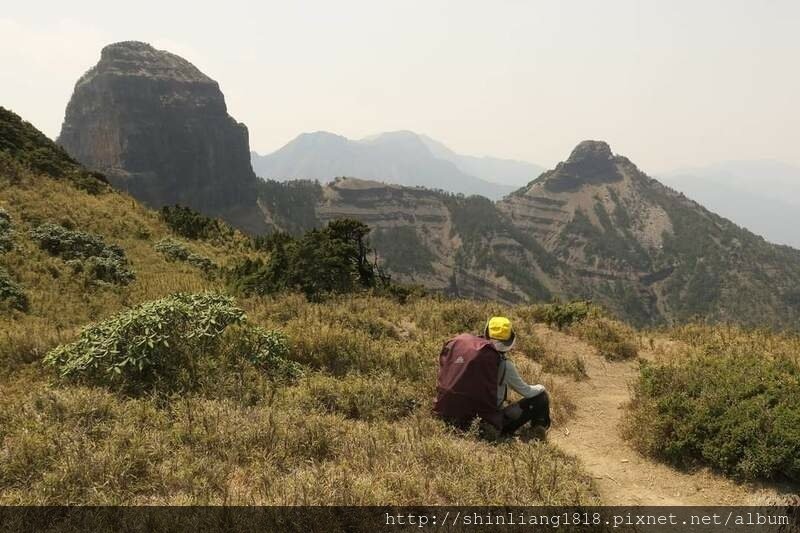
(590, 163)
(135, 58)
(593, 151)
(158, 128)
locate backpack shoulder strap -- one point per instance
(502, 378)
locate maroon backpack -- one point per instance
(467, 383)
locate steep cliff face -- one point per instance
(159, 128)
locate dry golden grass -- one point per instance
(356, 429)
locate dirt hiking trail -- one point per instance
(622, 475)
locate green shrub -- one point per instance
(323, 262)
(6, 233)
(158, 342)
(613, 340)
(269, 351)
(562, 315)
(69, 244)
(109, 269)
(735, 411)
(176, 251)
(172, 250)
(189, 223)
(86, 252)
(11, 292)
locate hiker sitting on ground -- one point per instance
(474, 377)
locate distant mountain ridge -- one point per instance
(400, 157)
(492, 169)
(762, 195)
(593, 227)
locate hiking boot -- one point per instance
(539, 433)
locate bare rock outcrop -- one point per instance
(158, 128)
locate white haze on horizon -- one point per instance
(670, 85)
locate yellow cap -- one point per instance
(499, 328)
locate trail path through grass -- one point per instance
(621, 474)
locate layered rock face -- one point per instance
(159, 128)
(648, 252)
(428, 237)
(593, 227)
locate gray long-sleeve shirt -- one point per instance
(509, 377)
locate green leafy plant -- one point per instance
(155, 342)
(86, 252)
(11, 292)
(332, 260)
(562, 315)
(734, 410)
(613, 340)
(6, 233)
(177, 251)
(268, 350)
(189, 223)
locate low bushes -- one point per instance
(322, 262)
(176, 343)
(173, 250)
(6, 233)
(736, 411)
(85, 252)
(189, 223)
(561, 315)
(267, 350)
(11, 292)
(613, 340)
(153, 343)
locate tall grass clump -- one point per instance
(726, 403)
(561, 315)
(612, 339)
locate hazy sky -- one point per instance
(667, 83)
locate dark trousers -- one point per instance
(535, 410)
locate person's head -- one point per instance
(498, 330)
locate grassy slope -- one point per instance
(355, 430)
